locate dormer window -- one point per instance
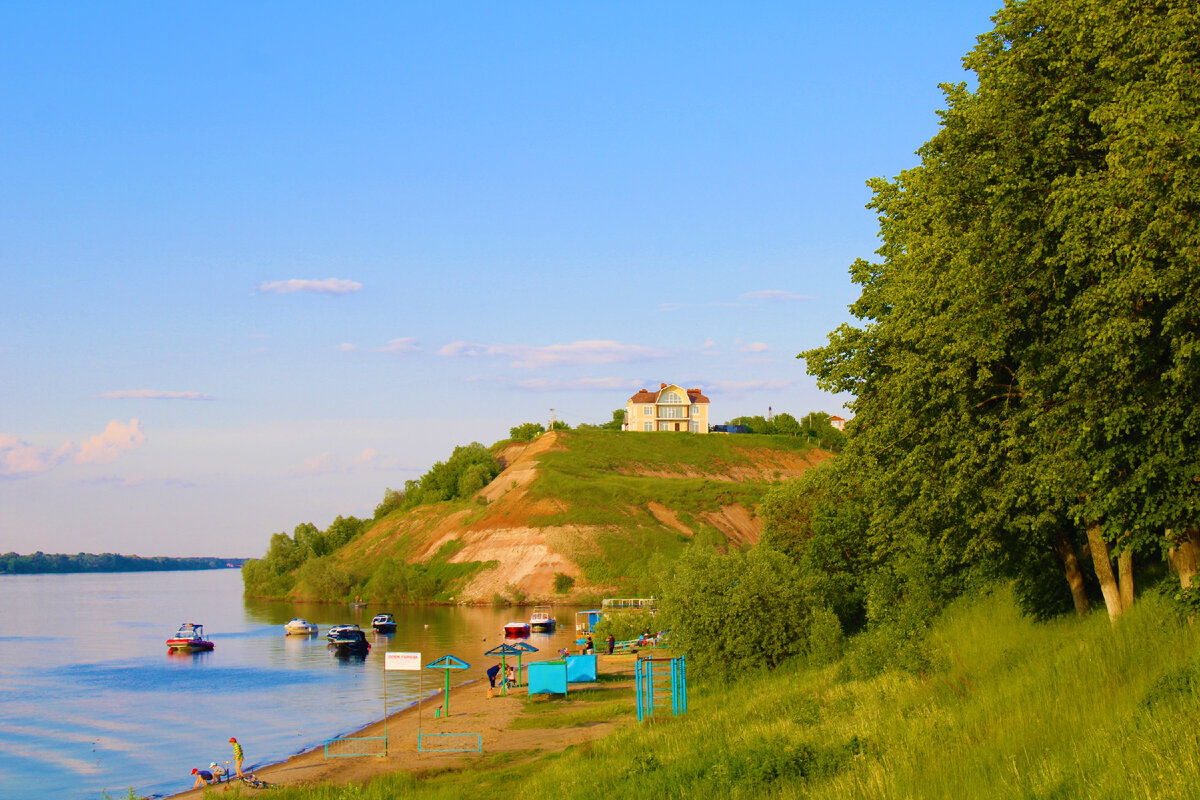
(670, 397)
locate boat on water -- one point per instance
(189, 638)
(541, 621)
(350, 642)
(513, 629)
(336, 629)
(300, 627)
(384, 623)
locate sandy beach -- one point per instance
(472, 711)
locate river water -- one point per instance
(91, 702)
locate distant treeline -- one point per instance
(39, 562)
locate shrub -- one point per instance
(563, 582)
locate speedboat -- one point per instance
(384, 623)
(541, 621)
(189, 638)
(336, 629)
(300, 627)
(350, 642)
(516, 629)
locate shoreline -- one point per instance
(472, 713)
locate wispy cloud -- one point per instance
(326, 286)
(556, 355)
(737, 387)
(581, 385)
(107, 447)
(153, 394)
(404, 345)
(346, 347)
(776, 296)
(326, 463)
(753, 347)
(20, 458)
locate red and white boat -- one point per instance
(514, 629)
(189, 638)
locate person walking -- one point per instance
(238, 755)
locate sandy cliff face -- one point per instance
(497, 528)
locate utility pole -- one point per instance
(768, 413)
(551, 420)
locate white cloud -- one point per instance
(737, 387)
(775, 295)
(316, 465)
(404, 345)
(754, 347)
(581, 385)
(153, 394)
(346, 347)
(18, 457)
(366, 457)
(326, 286)
(105, 448)
(555, 355)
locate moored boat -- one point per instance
(541, 621)
(189, 637)
(516, 629)
(350, 642)
(300, 627)
(336, 629)
(384, 623)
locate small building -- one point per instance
(671, 408)
(838, 422)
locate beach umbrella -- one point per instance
(504, 651)
(447, 663)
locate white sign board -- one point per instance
(404, 661)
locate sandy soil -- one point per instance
(472, 711)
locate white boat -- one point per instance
(333, 632)
(300, 627)
(540, 620)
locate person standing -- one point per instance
(238, 755)
(612, 642)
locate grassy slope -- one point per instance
(602, 480)
(1068, 709)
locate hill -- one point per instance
(572, 515)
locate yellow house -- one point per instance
(671, 408)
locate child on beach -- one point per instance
(237, 755)
(203, 777)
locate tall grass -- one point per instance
(1011, 708)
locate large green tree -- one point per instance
(1026, 354)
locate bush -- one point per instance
(526, 432)
(563, 582)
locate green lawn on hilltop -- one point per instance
(1014, 709)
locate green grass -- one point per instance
(1012, 709)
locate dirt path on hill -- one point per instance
(472, 711)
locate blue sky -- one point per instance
(262, 261)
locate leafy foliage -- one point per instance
(526, 431)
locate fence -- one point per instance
(354, 746)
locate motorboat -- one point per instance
(350, 642)
(336, 629)
(384, 623)
(516, 629)
(540, 620)
(300, 627)
(189, 638)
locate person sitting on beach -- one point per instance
(590, 647)
(510, 677)
(203, 778)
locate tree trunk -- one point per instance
(1184, 556)
(1066, 552)
(1102, 562)
(1125, 578)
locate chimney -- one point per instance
(662, 386)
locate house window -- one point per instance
(648, 426)
(695, 411)
(694, 427)
(647, 411)
(671, 412)
(666, 426)
(670, 397)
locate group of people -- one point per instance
(215, 773)
(509, 679)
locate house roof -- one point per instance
(647, 396)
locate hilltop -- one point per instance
(572, 515)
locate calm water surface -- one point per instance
(90, 701)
